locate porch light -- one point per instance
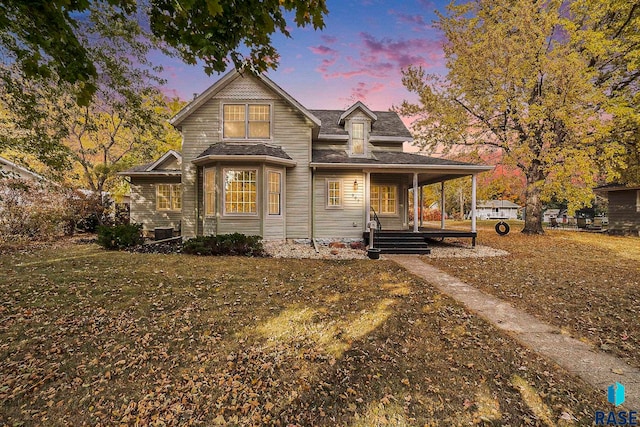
(355, 185)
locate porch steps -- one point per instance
(401, 243)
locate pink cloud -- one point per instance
(416, 22)
(427, 4)
(329, 39)
(401, 53)
(362, 90)
(323, 50)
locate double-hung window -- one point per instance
(168, 197)
(334, 193)
(246, 121)
(357, 138)
(275, 192)
(384, 199)
(240, 192)
(209, 191)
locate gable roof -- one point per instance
(165, 157)
(358, 105)
(152, 168)
(224, 81)
(387, 127)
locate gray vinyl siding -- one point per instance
(198, 132)
(395, 221)
(290, 130)
(624, 213)
(293, 133)
(338, 223)
(143, 204)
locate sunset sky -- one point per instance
(357, 56)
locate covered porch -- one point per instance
(413, 233)
(384, 191)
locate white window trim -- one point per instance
(268, 192)
(396, 213)
(170, 208)
(365, 134)
(224, 194)
(326, 198)
(246, 120)
(204, 192)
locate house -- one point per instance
(256, 161)
(624, 208)
(12, 170)
(497, 209)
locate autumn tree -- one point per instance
(44, 37)
(608, 33)
(125, 121)
(517, 82)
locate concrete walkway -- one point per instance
(596, 368)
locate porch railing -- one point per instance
(377, 220)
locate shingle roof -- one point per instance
(383, 158)
(388, 124)
(241, 149)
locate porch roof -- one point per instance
(397, 160)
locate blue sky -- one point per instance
(357, 56)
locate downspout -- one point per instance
(313, 204)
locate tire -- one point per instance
(502, 228)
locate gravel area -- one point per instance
(282, 249)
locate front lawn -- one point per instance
(585, 283)
(90, 337)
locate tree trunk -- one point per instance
(533, 203)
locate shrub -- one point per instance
(31, 210)
(225, 244)
(120, 236)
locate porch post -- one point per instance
(442, 214)
(473, 203)
(415, 202)
(421, 204)
(367, 199)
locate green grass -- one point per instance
(90, 337)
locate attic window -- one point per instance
(247, 121)
(357, 138)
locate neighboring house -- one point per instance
(255, 161)
(549, 214)
(497, 209)
(12, 170)
(624, 208)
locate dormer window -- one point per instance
(357, 138)
(247, 121)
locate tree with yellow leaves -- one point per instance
(521, 80)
